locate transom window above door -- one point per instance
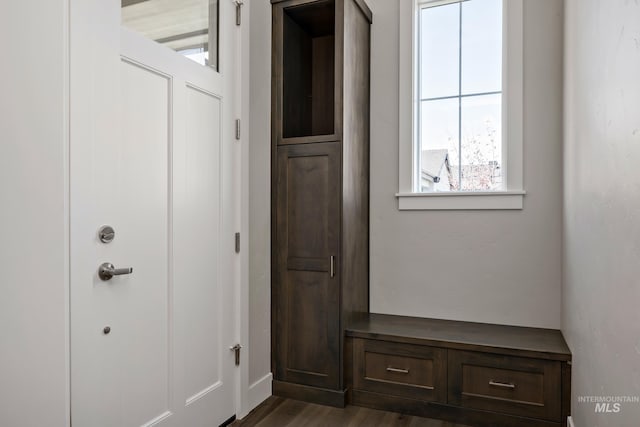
(190, 27)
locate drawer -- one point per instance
(405, 370)
(511, 385)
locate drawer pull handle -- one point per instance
(397, 371)
(503, 385)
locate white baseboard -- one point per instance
(259, 391)
(570, 422)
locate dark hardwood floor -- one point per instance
(280, 412)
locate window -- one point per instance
(190, 27)
(461, 104)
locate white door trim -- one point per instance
(244, 405)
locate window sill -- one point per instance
(498, 200)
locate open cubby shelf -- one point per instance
(309, 70)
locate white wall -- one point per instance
(496, 266)
(260, 203)
(33, 252)
(601, 295)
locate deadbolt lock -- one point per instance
(106, 234)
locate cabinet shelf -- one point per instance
(308, 70)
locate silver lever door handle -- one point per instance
(107, 270)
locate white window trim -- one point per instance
(512, 111)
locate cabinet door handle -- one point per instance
(397, 371)
(502, 385)
(332, 266)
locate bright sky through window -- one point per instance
(460, 93)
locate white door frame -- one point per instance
(244, 65)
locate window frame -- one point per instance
(512, 195)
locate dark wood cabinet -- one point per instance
(307, 280)
(320, 191)
(468, 373)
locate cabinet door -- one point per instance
(307, 281)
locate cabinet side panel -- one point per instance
(276, 122)
(355, 158)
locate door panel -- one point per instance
(307, 216)
(200, 284)
(308, 333)
(148, 157)
(308, 226)
(142, 227)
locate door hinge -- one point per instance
(237, 243)
(238, 4)
(236, 349)
(238, 125)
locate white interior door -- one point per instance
(152, 155)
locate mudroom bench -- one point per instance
(469, 373)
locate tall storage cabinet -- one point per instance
(320, 191)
